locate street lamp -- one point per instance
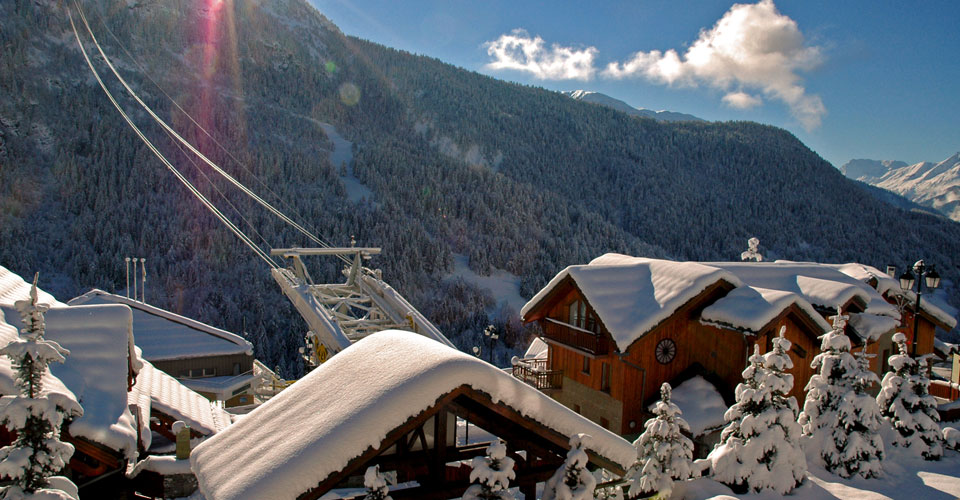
(491, 334)
(924, 275)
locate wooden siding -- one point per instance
(224, 365)
(804, 347)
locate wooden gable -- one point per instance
(417, 453)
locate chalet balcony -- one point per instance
(578, 338)
(537, 372)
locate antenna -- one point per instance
(128, 276)
(134, 278)
(143, 282)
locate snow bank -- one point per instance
(298, 438)
(163, 335)
(752, 308)
(633, 294)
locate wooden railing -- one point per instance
(575, 337)
(945, 390)
(536, 372)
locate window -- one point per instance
(578, 313)
(586, 365)
(236, 368)
(605, 377)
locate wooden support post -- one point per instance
(439, 465)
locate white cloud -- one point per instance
(741, 100)
(751, 46)
(518, 51)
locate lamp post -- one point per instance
(924, 275)
(491, 335)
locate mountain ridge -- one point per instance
(614, 103)
(513, 177)
(933, 185)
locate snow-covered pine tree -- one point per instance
(835, 366)
(859, 417)
(786, 461)
(572, 481)
(37, 453)
(663, 452)
(906, 403)
(375, 484)
(491, 475)
(759, 448)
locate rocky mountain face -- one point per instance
(449, 163)
(934, 185)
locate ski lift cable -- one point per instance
(260, 253)
(220, 192)
(190, 117)
(189, 146)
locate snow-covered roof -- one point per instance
(222, 386)
(53, 387)
(632, 295)
(100, 342)
(298, 438)
(163, 335)
(700, 403)
(159, 391)
(538, 349)
(820, 285)
(887, 284)
(752, 308)
(871, 326)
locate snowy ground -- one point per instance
(343, 154)
(905, 477)
(503, 285)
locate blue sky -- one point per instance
(852, 79)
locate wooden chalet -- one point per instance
(399, 397)
(621, 326)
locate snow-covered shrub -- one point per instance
(951, 438)
(491, 475)
(609, 492)
(905, 401)
(663, 452)
(859, 441)
(375, 484)
(572, 481)
(760, 446)
(37, 453)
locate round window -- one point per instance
(666, 351)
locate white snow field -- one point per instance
(905, 477)
(501, 284)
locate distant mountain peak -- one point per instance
(614, 103)
(933, 185)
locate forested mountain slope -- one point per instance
(515, 177)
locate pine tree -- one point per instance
(491, 475)
(825, 392)
(759, 448)
(375, 484)
(663, 452)
(905, 402)
(861, 452)
(37, 453)
(572, 481)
